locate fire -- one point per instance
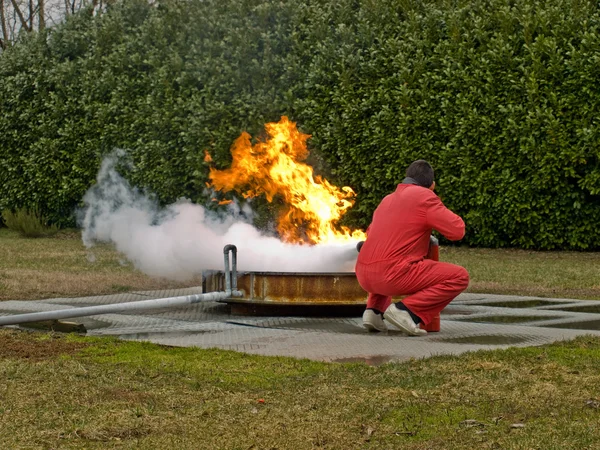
(312, 206)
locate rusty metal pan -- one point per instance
(292, 288)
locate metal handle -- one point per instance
(230, 274)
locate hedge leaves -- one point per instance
(501, 96)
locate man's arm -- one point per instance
(443, 220)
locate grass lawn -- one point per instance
(522, 272)
(60, 266)
(63, 391)
(69, 391)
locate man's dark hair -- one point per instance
(422, 172)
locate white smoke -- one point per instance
(183, 239)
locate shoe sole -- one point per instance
(403, 328)
(371, 328)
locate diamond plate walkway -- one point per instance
(470, 322)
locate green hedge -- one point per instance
(501, 96)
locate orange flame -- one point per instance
(312, 206)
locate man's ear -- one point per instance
(432, 187)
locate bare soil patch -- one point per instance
(20, 345)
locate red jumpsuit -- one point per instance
(392, 260)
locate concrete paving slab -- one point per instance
(471, 322)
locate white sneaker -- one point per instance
(402, 320)
(373, 321)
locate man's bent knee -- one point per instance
(462, 278)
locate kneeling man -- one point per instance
(392, 261)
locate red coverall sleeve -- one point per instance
(443, 220)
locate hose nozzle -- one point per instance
(359, 246)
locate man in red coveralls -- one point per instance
(391, 262)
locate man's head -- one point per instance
(422, 172)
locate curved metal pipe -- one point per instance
(142, 305)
